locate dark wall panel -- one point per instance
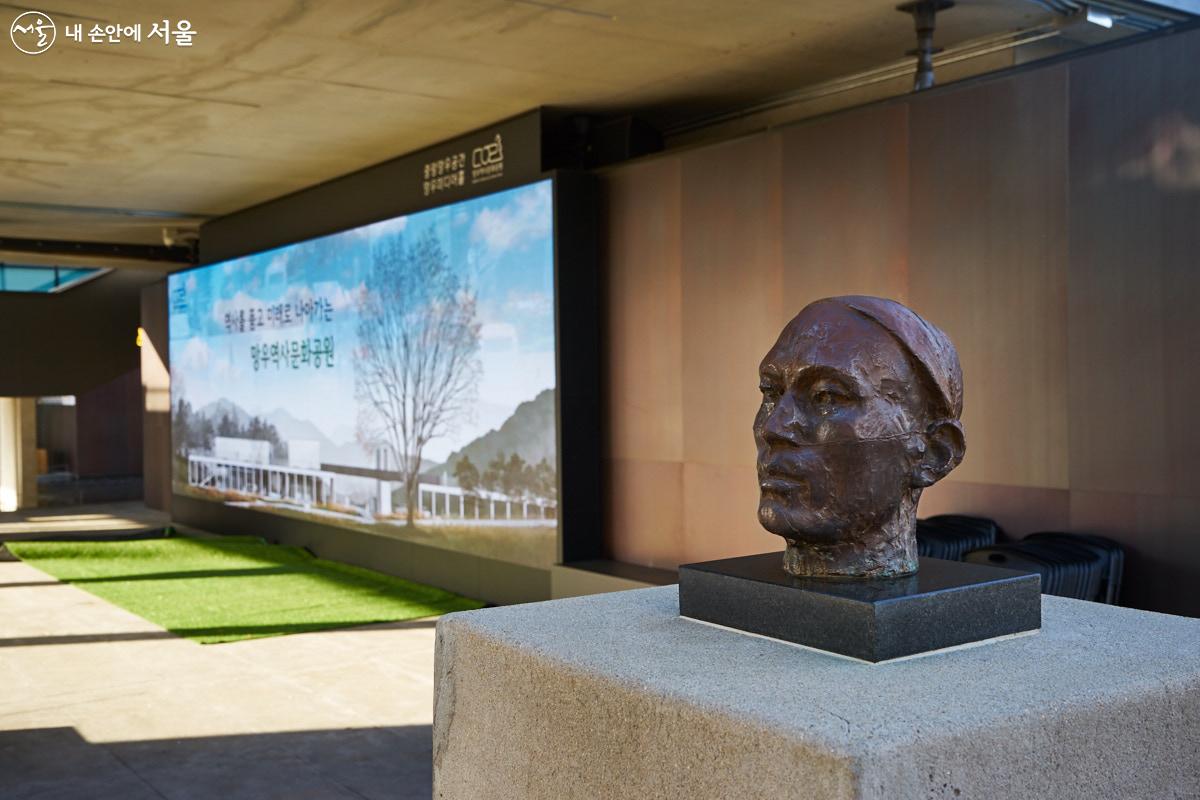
(108, 425)
(1159, 533)
(988, 265)
(70, 342)
(56, 435)
(643, 365)
(845, 207)
(731, 273)
(1133, 329)
(1047, 218)
(732, 305)
(1135, 208)
(1020, 510)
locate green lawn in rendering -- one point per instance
(230, 588)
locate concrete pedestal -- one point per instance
(617, 696)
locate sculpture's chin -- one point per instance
(766, 517)
(795, 523)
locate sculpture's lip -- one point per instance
(779, 483)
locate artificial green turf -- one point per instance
(231, 588)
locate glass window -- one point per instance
(22, 278)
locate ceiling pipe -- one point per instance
(924, 14)
(178, 255)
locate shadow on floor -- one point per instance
(223, 630)
(351, 764)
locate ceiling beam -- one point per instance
(99, 250)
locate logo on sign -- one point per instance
(487, 161)
(33, 32)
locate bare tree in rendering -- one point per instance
(417, 366)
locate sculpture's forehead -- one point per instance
(831, 335)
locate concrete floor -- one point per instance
(97, 703)
(97, 518)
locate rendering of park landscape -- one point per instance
(396, 379)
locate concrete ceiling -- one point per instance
(112, 142)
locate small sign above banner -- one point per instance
(500, 156)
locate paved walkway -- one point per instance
(88, 519)
(97, 703)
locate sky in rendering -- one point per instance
(231, 321)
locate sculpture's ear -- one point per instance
(945, 446)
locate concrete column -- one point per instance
(385, 497)
(156, 399)
(18, 453)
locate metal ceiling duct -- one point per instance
(1138, 16)
(1129, 14)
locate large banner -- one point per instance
(398, 378)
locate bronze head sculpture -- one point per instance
(860, 412)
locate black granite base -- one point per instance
(946, 603)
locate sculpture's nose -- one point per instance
(785, 423)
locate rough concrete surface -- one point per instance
(616, 696)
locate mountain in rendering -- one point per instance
(219, 409)
(530, 433)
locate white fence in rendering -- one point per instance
(272, 481)
(444, 501)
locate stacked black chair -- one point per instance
(951, 536)
(1112, 553)
(1011, 556)
(1071, 565)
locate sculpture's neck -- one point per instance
(887, 551)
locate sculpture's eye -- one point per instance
(770, 391)
(826, 398)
